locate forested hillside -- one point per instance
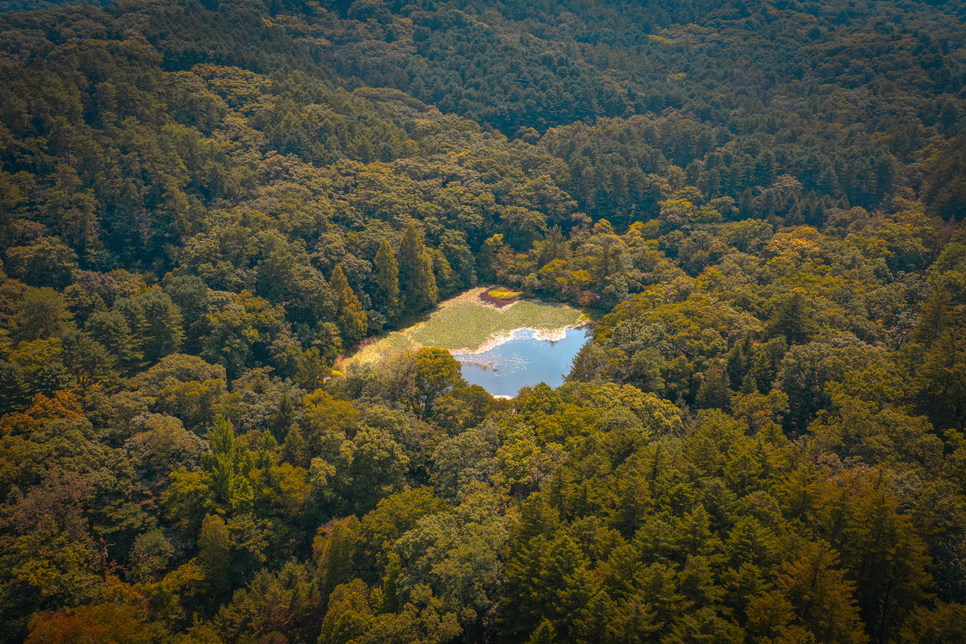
(205, 204)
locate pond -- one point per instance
(483, 332)
(526, 359)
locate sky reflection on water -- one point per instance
(523, 360)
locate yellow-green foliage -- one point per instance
(505, 294)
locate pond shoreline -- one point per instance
(502, 337)
(527, 359)
(471, 323)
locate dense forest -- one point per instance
(205, 204)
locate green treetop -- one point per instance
(387, 278)
(352, 319)
(417, 283)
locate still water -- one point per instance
(523, 360)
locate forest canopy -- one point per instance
(205, 205)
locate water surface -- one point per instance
(523, 361)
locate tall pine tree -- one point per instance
(417, 283)
(387, 280)
(352, 319)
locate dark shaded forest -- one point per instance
(204, 205)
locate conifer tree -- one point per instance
(111, 330)
(214, 557)
(417, 283)
(157, 323)
(312, 368)
(937, 312)
(335, 548)
(283, 418)
(295, 450)
(545, 633)
(714, 392)
(40, 314)
(387, 279)
(87, 361)
(352, 319)
(792, 319)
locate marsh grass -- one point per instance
(469, 326)
(465, 323)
